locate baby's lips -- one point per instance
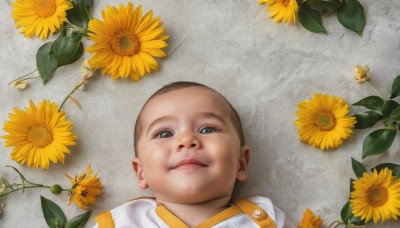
(188, 161)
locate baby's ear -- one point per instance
(139, 173)
(244, 160)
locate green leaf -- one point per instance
(371, 102)
(68, 49)
(395, 115)
(53, 214)
(388, 107)
(324, 6)
(348, 217)
(81, 13)
(358, 168)
(367, 119)
(46, 62)
(395, 88)
(394, 167)
(351, 185)
(378, 142)
(346, 213)
(310, 19)
(78, 221)
(351, 16)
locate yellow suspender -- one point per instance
(256, 213)
(104, 220)
(169, 218)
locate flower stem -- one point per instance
(70, 25)
(80, 83)
(24, 185)
(376, 91)
(332, 224)
(23, 77)
(338, 223)
(23, 188)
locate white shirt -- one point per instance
(142, 213)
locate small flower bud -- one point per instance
(56, 189)
(361, 74)
(19, 84)
(87, 70)
(2, 185)
(1, 206)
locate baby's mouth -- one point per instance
(189, 164)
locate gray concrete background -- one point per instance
(264, 69)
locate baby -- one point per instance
(190, 150)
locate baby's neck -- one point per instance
(194, 214)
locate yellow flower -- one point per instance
(282, 10)
(361, 74)
(38, 135)
(323, 121)
(125, 42)
(38, 17)
(85, 188)
(310, 220)
(376, 196)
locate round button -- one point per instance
(257, 214)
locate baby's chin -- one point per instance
(193, 198)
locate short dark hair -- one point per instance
(185, 84)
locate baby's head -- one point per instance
(189, 144)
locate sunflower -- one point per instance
(38, 135)
(282, 10)
(323, 121)
(85, 188)
(310, 220)
(38, 17)
(125, 42)
(376, 196)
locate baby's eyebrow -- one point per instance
(212, 115)
(156, 121)
(206, 115)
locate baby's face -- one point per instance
(189, 150)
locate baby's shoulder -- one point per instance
(140, 204)
(138, 212)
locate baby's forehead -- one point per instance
(207, 99)
(190, 94)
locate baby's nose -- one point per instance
(187, 141)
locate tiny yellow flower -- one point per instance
(85, 188)
(19, 84)
(310, 220)
(361, 74)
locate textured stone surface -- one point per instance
(264, 69)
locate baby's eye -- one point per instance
(207, 130)
(163, 134)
